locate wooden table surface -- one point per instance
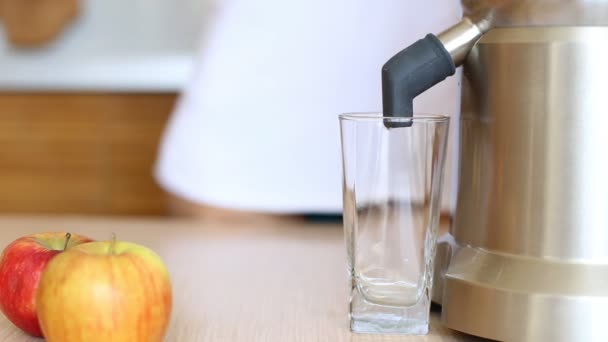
(236, 282)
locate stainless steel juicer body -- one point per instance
(530, 258)
(532, 217)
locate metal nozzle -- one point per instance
(459, 39)
(426, 63)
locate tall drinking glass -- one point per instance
(393, 172)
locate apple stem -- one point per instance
(67, 240)
(113, 244)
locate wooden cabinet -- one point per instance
(81, 153)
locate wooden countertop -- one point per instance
(236, 282)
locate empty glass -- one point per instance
(392, 185)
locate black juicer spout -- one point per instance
(424, 64)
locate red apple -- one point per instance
(105, 291)
(21, 264)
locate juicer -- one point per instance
(529, 258)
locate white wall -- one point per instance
(114, 44)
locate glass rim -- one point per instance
(378, 116)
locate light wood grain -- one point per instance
(237, 282)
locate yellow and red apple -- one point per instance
(21, 265)
(105, 291)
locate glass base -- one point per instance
(367, 317)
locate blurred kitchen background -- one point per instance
(86, 88)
